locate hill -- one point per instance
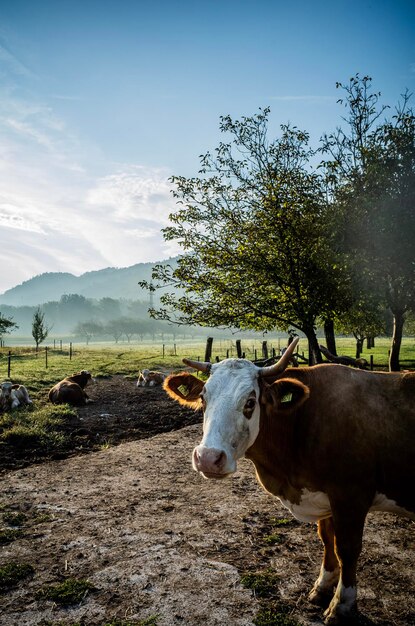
(111, 282)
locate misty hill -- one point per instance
(117, 283)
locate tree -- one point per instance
(372, 169)
(88, 329)
(6, 325)
(363, 323)
(253, 228)
(114, 329)
(39, 328)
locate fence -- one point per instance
(35, 353)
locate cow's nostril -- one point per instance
(220, 460)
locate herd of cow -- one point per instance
(331, 442)
(70, 390)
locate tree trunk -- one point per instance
(398, 322)
(314, 354)
(359, 346)
(330, 336)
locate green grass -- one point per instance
(12, 573)
(273, 539)
(277, 522)
(7, 535)
(71, 591)
(13, 518)
(36, 428)
(263, 584)
(149, 621)
(274, 617)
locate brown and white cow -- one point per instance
(150, 378)
(332, 442)
(71, 390)
(12, 396)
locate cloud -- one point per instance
(137, 193)
(62, 209)
(14, 65)
(10, 218)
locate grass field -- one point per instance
(29, 368)
(40, 425)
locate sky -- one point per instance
(102, 101)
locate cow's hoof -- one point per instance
(320, 597)
(340, 614)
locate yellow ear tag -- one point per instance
(287, 398)
(183, 390)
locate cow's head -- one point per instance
(231, 399)
(6, 389)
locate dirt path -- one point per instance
(154, 538)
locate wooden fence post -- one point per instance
(70, 351)
(265, 349)
(371, 362)
(163, 350)
(238, 348)
(9, 362)
(46, 357)
(61, 344)
(208, 351)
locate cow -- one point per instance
(12, 396)
(71, 390)
(332, 442)
(149, 378)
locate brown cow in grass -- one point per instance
(71, 390)
(332, 442)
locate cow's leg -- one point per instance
(348, 529)
(87, 399)
(323, 589)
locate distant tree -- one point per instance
(109, 308)
(114, 329)
(40, 330)
(6, 325)
(130, 327)
(362, 322)
(88, 330)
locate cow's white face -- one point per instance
(6, 389)
(230, 400)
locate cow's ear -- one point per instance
(285, 394)
(184, 388)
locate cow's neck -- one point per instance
(272, 455)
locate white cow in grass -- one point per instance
(150, 378)
(12, 396)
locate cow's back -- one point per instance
(357, 427)
(67, 392)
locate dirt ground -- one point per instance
(156, 539)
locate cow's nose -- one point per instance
(209, 460)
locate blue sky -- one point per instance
(102, 101)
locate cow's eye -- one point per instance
(249, 407)
(250, 404)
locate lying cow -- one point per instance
(149, 378)
(12, 396)
(71, 390)
(333, 443)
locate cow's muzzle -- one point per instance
(211, 462)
